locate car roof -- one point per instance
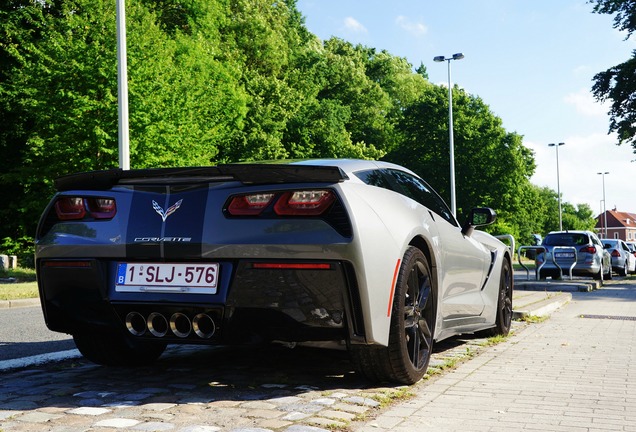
(570, 232)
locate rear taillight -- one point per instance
(70, 208)
(304, 203)
(77, 208)
(101, 208)
(588, 249)
(616, 253)
(312, 202)
(249, 205)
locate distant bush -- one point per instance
(23, 248)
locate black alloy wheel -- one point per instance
(418, 314)
(503, 319)
(412, 319)
(405, 360)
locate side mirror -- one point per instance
(478, 216)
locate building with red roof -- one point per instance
(620, 225)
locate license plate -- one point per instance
(564, 255)
(199, 278)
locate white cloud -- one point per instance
(415, 28)
(580, 159)
(353, 25)
(585, 104)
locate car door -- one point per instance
(464, 261)
(629, 256)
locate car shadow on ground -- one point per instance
(196, 374)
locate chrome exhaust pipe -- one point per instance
(136, 323)
(203, 326)
(180, 325)
(157, 324)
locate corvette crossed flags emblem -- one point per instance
(164, 214)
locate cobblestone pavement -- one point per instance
(205, 389)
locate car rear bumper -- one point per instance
(581, 269)
(275, 302)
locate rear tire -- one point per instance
(600, 274)
(609, 274)
(504, 302)
(111, 349)
(405, 360)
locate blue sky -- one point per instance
(532, 63)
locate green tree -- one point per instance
(58, 63)
(579, 217)
(492, 166)
(618, 83)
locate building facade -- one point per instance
(620, 225)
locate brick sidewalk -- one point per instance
(573, 372)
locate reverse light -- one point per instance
(66, 264)
(292, 266)
(304, 203)
(249, 205)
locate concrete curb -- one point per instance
(10, 304)
(539, 303)
(557, 285)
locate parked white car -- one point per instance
(623, 259)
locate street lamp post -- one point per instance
(604, 208)
(122, 87)
(558, 183)
(457, 56)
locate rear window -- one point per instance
(566, 239)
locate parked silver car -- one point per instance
(623, 259)
(318, 251)
(581, 248)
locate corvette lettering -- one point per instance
(162, 239)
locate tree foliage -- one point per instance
(234, 80)
(618, 83)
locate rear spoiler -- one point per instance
(244, 173)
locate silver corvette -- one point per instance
(359, 253)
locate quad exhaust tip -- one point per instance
(179, 324)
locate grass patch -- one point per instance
(529, 265)
(533, 319)
(495, 340)
(15, 291)
(20, 274)
(22, 285)
(395, 395)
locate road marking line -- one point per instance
(38, 359)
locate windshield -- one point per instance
(566, 239)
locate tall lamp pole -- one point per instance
(122, 87)
(457, 56)
(604, 208)
(558, 183)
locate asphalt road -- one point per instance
(24, 334)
